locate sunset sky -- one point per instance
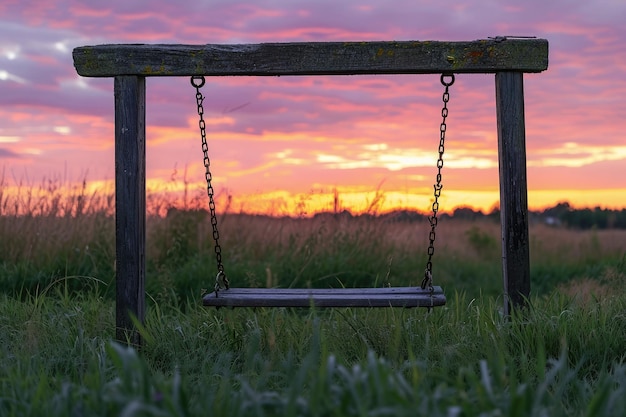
(286, 144)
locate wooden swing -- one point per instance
(508, 58)
(426, 295)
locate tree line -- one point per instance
(561, 215)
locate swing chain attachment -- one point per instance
(221, 281)
(446, 80)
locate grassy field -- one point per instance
(563, 356)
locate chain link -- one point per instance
(221, 281)
(446, 80)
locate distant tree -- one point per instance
(558, 211)
(467, 213)
(619, 219)
(494, 214)
(582, 219)
(600, 218)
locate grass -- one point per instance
(318, 252)
(562, 356)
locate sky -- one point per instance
(296, 145)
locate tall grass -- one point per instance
(564, 355)
(324, 251)
(463, 359)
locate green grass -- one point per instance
(562, 356)
(557, 359)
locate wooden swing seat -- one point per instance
(326, 297)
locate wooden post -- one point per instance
(130, 205)
(513, 189)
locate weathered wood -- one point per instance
(314, 58)
(327, 297)
(130, 205)
(513, 188)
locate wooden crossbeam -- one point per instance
(314, 58)
(326, 297)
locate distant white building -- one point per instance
(552, 221)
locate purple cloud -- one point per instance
(8, 154)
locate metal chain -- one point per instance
(221, 281)
(446, 80)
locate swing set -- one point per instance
(507, 57)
